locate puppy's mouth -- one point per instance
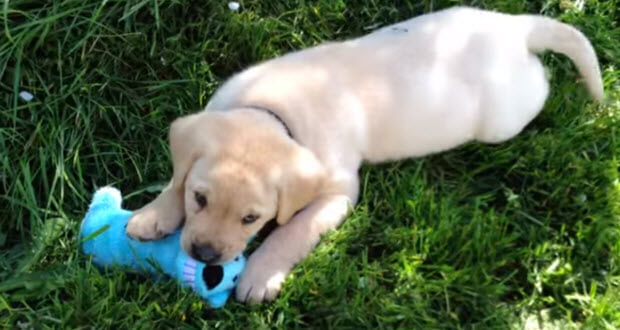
(211, 256)
(228, 257)
(205, 253)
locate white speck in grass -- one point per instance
(581, 198)
(579, 4)
(233, 5)
(26, 96)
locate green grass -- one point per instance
(478, 237)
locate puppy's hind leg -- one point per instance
(159, 218)
(508, 106)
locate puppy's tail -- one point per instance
(549, 34)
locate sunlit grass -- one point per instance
(522, 233)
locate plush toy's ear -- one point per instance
(301, 182)
(212, 275)
(107, 196)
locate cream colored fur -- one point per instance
(414, 88)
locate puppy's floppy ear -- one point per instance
(183, 147)
(302, 180)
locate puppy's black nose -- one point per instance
(205, 253)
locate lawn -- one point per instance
(526, 233)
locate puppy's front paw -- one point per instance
(147, 226)
(262, 278)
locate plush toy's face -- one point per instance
(225, 205)
(224, 277)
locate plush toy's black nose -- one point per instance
(205, 253)
(212, 275)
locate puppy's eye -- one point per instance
(248, 219)
(201, 200)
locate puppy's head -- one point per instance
(236, 171)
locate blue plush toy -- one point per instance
(103, 233)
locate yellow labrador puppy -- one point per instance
(285, 138)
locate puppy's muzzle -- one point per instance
(205, 253)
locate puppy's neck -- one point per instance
(274, 115)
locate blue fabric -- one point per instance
(104, 238)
